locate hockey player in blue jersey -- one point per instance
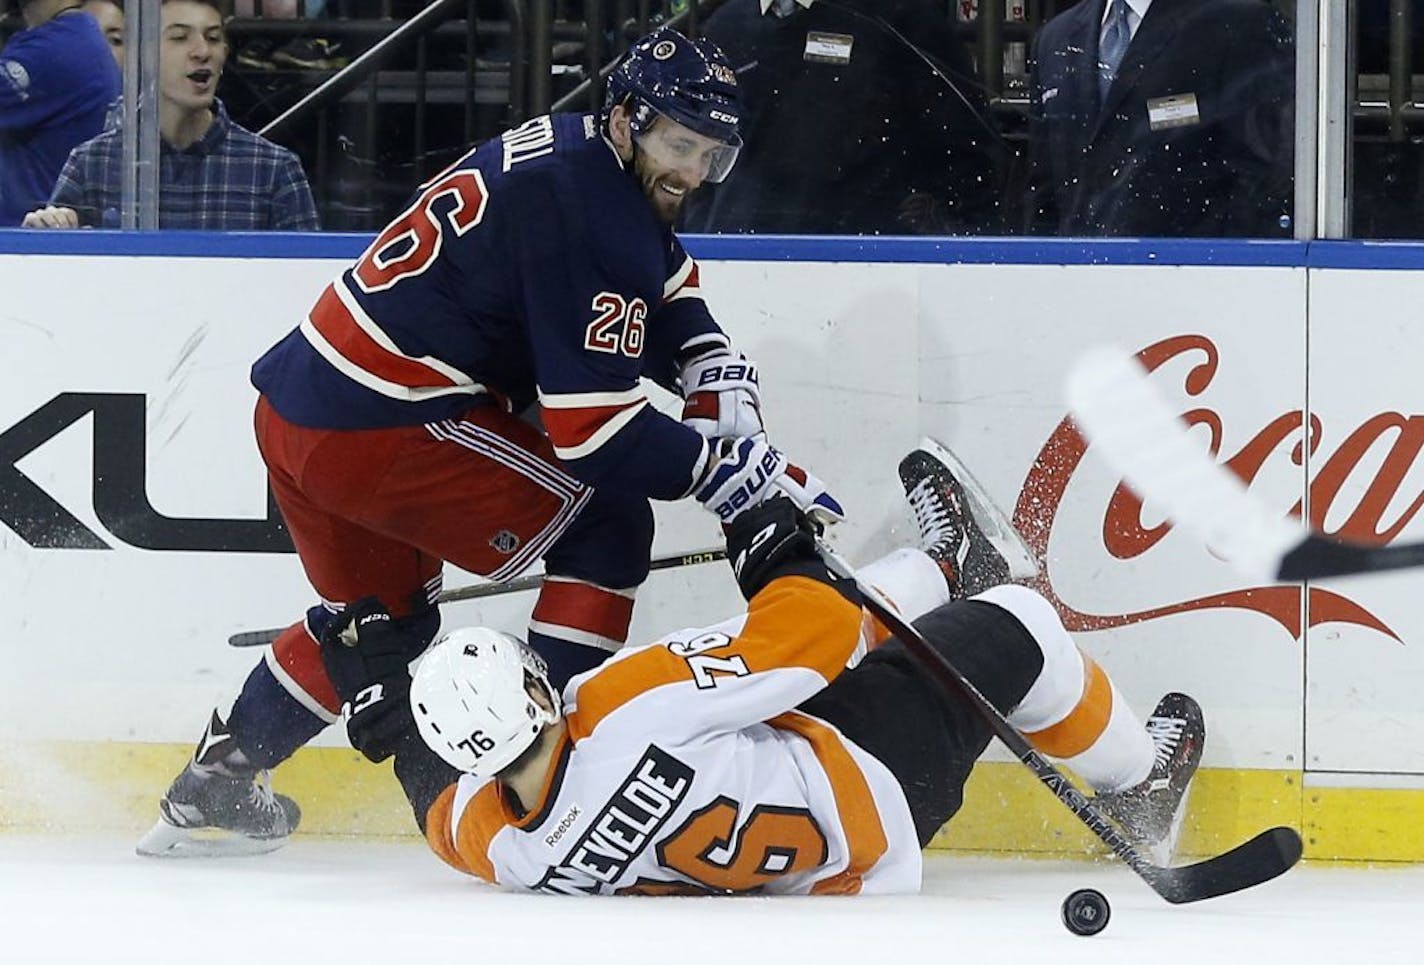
(57, 78)
(538, 274)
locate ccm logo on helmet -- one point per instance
(723, 116)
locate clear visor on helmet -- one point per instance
(672, 145)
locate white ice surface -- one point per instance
(92, 901)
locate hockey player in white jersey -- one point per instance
(748, 757)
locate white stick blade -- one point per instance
(1129, 423)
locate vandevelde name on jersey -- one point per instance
(619, 832)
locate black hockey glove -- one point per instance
(367, 655)
(769, 540)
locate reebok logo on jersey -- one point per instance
(617, 834)
(565, 822)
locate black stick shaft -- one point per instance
(1267, 855)
(949, 676)
(1317, 557)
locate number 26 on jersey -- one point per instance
(617, 327)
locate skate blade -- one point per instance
(167, 841)
(991, 519)
(1164, 852)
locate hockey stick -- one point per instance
(1268, 855)
(261, 638)
(1128, 421)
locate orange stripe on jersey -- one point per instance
(794, 621)
(485, 815)
(339, 327)
(583, 606)
(440, 839)
(468, 849)
(1085, 723)
(860, 817)
(872, 631)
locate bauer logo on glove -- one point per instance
(747, 471)
(741, 477)
(723, 397)
(740, 374)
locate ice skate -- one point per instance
(1151, 812)
(220, 805)
(964, 533)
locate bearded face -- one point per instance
(669, 160)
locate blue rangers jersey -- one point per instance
(533, 269)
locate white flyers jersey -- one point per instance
(686, 769)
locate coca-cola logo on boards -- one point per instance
(1126, 537)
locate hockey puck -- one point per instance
(1086, 912)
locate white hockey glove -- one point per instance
(749, 470)
(810, 495)
(722, 398)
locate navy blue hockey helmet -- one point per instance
(688, 81)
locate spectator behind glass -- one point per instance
(213, 174)
(862, 117)
(1191, 134)
(56, 80)
(110, 16)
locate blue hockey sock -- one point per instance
(565, 658)
(268, 723)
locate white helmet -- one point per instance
(470, 703)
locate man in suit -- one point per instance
(862, 117)
(1162, 117)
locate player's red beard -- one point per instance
(666, 206)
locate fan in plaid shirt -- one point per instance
(213, 174)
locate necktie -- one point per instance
(1117, 34)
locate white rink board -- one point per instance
(857, 361)
(1365, 686)
(129, 643)
(991, 370)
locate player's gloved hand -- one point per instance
(367, 655)
(723, 399)
(810, 496)
(748, 471)
(740, 477)
(770, 540)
